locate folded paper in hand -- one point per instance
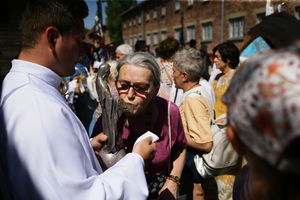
(145, 135)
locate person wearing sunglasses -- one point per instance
(138, 82)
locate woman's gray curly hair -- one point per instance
(191, 62)
(145, 60)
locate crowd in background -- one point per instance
(219, 68)
(175, 93)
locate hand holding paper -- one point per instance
(145, 146)
(145, 135)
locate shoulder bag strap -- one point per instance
(170, 135)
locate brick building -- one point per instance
(208, 22)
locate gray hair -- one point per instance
(191, 62)
(145, 60)
(124, 49)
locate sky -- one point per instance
(90, 20)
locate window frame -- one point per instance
(163, 11)
(177, 30)
(177, 5)
(189, 35)
(236, 34)
(163, 35)
(206, 26)
(191, 3)
(148, 39)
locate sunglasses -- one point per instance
(139, 88)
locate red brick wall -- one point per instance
(197, 13)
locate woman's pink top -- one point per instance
(163, 157)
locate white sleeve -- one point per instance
(48, 142)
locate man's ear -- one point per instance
(235, 141)
(52, 34)
(185, 76)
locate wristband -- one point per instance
(175, 179)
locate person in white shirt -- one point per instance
(48, 152)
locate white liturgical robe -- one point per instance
(48, 149)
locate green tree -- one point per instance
(114, 19)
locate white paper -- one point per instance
(145, 135)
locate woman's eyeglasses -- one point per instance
(124, 86)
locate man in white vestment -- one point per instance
(48, 152)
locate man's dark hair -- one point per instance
(229, 52)
(140, 45)
(65, 15)
(192, 43)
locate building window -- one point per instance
(163, 35)
(191, 33)
(298, 12)
(133, 22)
(177, 5)
(155, 38)
(236, 28)
(139, 20)
(190, 2)
(163, 11)
(177, 34)
(260, 17)
(207, 34)
(154, 14)
(140, 37)
(147, 17)
(148, 39)
(124, 25)
(130, 23)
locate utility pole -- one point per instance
(222, 21)
(99, 11)
(143, 22)
(181, 37)
(98, 19)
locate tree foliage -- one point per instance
(114, 19)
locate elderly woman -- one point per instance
(138, 82)
(264, 125)
(196, 110)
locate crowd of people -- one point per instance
(52, 125)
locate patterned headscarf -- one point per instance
(263, 102)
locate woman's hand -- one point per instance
(98, 141)
(168, 191)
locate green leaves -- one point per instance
(114, 19)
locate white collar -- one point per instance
(193, 90)
(41, 72)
